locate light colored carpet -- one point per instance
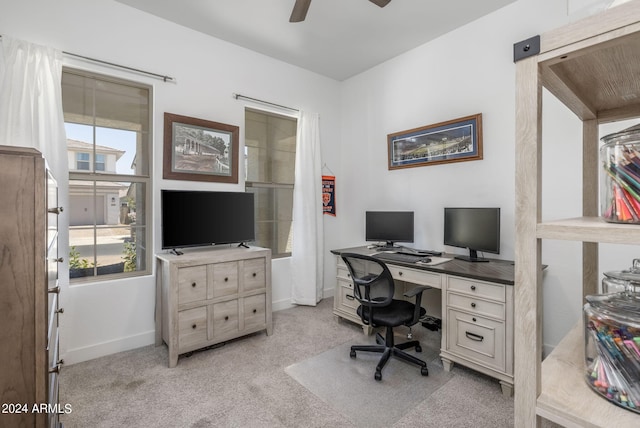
(244, 383)
(348, 384)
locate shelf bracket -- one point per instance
(526, 48)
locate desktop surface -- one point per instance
(496, 270)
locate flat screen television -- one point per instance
(192, 218)
(389, 227)
(477, 229)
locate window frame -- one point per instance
(96, 177)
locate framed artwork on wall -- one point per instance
(200, 150)
(456, 140)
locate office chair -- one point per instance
(374, 288)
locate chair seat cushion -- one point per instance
(399, 312)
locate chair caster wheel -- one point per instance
(352, 354)
(418, 348)
(424, 371)
(378, 376)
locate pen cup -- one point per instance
(612, 347)
(620, 176)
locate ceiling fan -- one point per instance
(301, 7)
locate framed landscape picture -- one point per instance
(456, 140)
(200, 150)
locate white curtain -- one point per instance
(308, 246)
(31, 100)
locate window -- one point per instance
(109, 150)
(270, 153)
(82, 161)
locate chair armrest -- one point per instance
(419, 289)
(417, 293)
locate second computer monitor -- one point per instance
(389, 227)
(477, 229)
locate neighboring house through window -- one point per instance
(108, 151)
(270, 153)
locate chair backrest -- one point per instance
(373, 284)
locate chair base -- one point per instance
(388, 349)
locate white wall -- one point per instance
(106, 317)
(464, 72)
(467, 71)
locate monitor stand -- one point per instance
(472, 257)
(388, 246)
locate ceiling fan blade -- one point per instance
(381, 3)
(300, 9)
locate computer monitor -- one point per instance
(389, 227)
(477, 229)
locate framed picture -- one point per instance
(456, 140)
(200, 150)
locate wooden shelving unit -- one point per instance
(593, 67)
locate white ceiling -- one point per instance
(338, 39)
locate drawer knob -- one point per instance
(193, 284)
(400, 273)
(473, 288)
(473, 305)
(60, 311)
(254, 274)
(226, 279)
(255, 310)
(226, 318)
(193, 326)
(348, 275)
(473, 319)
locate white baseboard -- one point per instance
(78, 355)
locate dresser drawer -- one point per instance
(225, 279)
(416, 276)
(192, 284)
(477, 338)
(255, 315)
(224, 320)
(192, 327)
(254, 274)
(476, 306)
(476, 288)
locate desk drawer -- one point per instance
(476, 306)
(476, 288)
(415, 276)
(346, 301)
(477, 338)
(343, 273)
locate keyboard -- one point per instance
(421, 252)
(402, 257)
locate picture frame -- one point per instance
(456, 140)
(200, 150)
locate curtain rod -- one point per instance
(158, 76)
(244, 97)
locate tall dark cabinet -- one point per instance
(29, 290)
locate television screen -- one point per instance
(389, 226)
(198, 218)
(477, 229)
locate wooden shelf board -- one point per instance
(589, 229)
(566, 398)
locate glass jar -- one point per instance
(620, 176)
(623, 280)
(612, 347)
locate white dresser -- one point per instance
(206, 297)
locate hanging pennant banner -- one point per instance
(329, 195)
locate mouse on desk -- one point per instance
(424, 260)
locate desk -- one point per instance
(477, 309)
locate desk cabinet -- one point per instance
(477, 315)
(209, 297)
